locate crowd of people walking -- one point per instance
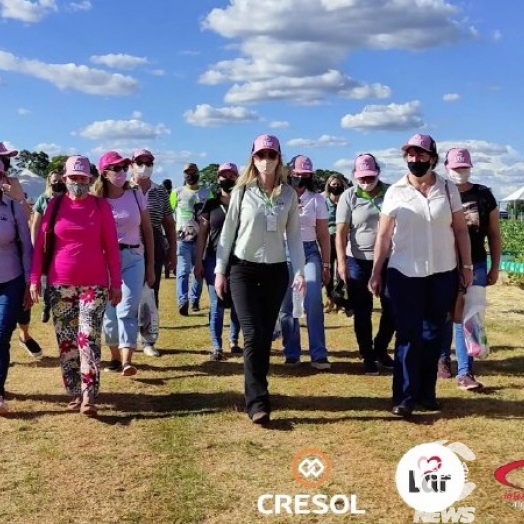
(270, 248)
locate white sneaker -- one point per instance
(3, 406)
(151, 351)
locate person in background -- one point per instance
(54, 186)
(15, 252)
(421, 222)
(314, 232)
(264, 211)
(357, 225)
(482, 218)
(133, 225)
(188, 202)
(161, 215)
(84, 273)
(336, 184)
(15, 191)
(211, 223)
(168, 186)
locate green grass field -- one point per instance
(172, 445)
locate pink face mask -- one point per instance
(118, 179)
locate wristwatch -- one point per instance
(467, 266)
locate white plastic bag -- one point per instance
(148, 316)
(473, 323)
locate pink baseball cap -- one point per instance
(365, 165)
(142, 152)
(265, 142)
(458, 157)
(424, 142)
(7, 152)
(112, 158)
(228, 166)
(302, 164)
(77, 165)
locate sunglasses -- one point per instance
(117, 169)
(269, 154)
(147, 163)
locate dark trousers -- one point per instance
(332, 263)
(421, 307)
(11, 298)
(257, 291)
(359, 274)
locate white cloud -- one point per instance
(497, 35)
(279, 124)
(205, 115)
(289, 43)
(136, 115)
(321, 141)
(388, 117)
(451, 97)
(158, 72)
(51, 149)
(123, 129)
(82, 5)
(26, 10)
(119, 61)
(23, 111)
(71, 76)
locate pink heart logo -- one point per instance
(429, 465)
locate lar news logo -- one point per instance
(310, 468)
(431, 477)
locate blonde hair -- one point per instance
(101, 184)
(330, 178)
(48, 191)
(250, 173)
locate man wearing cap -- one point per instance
(187, 202)
(13, 189)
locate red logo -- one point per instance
(501, 474)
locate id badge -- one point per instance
(271, 222)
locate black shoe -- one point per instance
(235, 348)
(32, 347)
(195, 306)
(260, 417)
(46, 314)
(386, 361)
(430, 405)
(370, 368)
(216, 356)
(184, 310)
(115, 366)
(402, 411)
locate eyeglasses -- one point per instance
(147, 163)
(266, 153)
(117, 169)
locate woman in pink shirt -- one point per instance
(83, 274)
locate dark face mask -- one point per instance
(226, 184)
(336, 190)
(419, 169)
(192, 179)
(58, 187)
(300, 182)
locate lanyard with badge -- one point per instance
(271, 217)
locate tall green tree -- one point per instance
(56, 163)
(208, 177)
(36, 162)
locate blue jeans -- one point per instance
(313, 306)
(421, 306)
(216, 310)
(121, 322)
(359, 274)
(464, 361)
(185, 263)
(11, 299)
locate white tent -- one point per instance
(32, 184)
(516, 195)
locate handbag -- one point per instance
(227, 301)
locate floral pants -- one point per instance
(78, 312)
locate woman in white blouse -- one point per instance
(421, 221)
(262, 212)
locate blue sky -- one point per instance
(198, 80)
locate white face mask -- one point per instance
(143, 171)
(368, 186)
(459, 176)
(266, 166)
